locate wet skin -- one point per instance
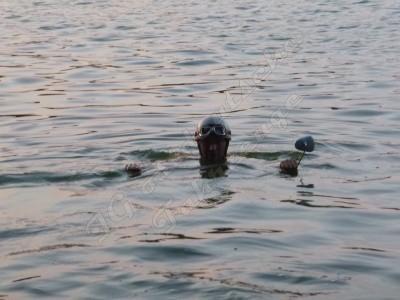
(212, 151)
(133, 170)
(289, 166)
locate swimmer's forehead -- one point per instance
(212, 121)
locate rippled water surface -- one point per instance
(89, 86)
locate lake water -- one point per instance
(89, 86)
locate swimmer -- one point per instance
(213, 136)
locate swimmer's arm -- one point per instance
(134, 169)
(289, 166)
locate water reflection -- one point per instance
(213, 171)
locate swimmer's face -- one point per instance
(213, 136)
(213, 150)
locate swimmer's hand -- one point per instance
(133, 170)
(289, 166)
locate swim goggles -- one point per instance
(216, 129)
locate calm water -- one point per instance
(88, 86)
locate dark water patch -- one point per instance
(311, 194)
(161, 253)
(392, 208)
(43, 177)
(307, 85)
(13, 16)
(235, 284)
(86, 133)
(394, 277)
(323, 166)
(248, 242)
(91, 65)
(155, 155)
(49, 248)
(364, 249)
(190, 52)
(51, 94)
(311, 203)
(229, 230)
(206, 203)
(26, 278)
(213, 202)
(243, 7)
(28, 80)
(306, 186)
(195, 63)
(105, 38)
(98, 225)
(124, 27)
(167, 237)
(22, 232)
(279, 38)
(270, 156)
(362, 112)
(32, 291)
(84, 3)
(180, 84)
(13, 66)
(348, 203)
(116, 105)
(146, 62)
(351, 266)
(52, 288)
(19, 115)
(366, 179)
(233, 164)
(226, 112)
(285, 277)
(56, 27)
(79, 213)
(393, 132)
(159, 287)
(40, 3)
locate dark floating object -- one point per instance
(305, 144)
(307, 186)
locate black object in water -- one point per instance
(305, 144)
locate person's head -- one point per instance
(212, 136)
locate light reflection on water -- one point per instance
(88, 86)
